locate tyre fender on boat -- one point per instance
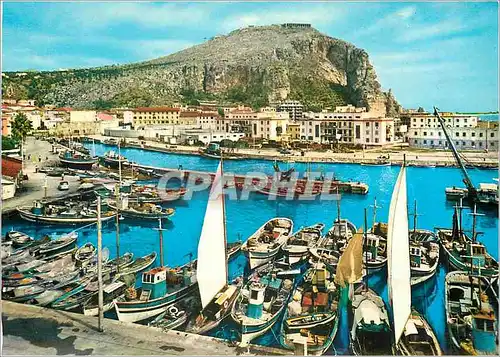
(173, 310)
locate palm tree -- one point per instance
(21, 127)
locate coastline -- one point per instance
(416, 157)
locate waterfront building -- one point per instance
(145, 116)
(356, 127)
(482, 136)
(293, 131)
(189, 117)
(293, 107)
(262, 124)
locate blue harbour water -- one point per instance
(426, 185)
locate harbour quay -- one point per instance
(31, 330)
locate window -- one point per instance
(463, 143)
(425, 141)
(376, 125)
(473, 143)
(367, 140)
(416, 133)
(473, 134)
(480, 135)
(376, 140)
(367, 124)
(358, 131)
(457, 134)
(492, 135)
(439, 133)
(480, 143)
(463, 134)
(492, 144)
(255, 294)
(425, 133)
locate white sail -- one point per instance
(211, 271)
(398, 262)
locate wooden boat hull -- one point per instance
(135, 268)
(28, 216)
(456, 264)
(258, 258)
(250, 332)
(78, 164)
(134, 311)
(333, 320)
(134, 215)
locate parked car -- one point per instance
(63, 186)
(284, 151)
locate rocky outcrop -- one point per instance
(270, 62)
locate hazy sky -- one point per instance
(442, 54)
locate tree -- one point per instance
(221, 112)
(8, 143)
(421, 110)
(21, 126)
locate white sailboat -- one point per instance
(212, 270)
(412, 333)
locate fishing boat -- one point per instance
(214, 151)
(113, 159)
(312, 312)
(370, 331)
(147, 211)
(170, 319)
(18, 239)
(299, 191)
(61, 244)
(380, 161)
(73, 299)
(265, 244)
(233, 249)
(138, 265)
(77, 160)
(470, 315)
(412, 335)
(339, 234)
(161, 288)
(463, 253)
(217, 296)
(50, 214)
(261, 302)
(375, 249)
(111, 292)
(85, 254)
(297, 248)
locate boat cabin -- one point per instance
(374, 246)
(154, 284)
(477, 252)
(415, 255)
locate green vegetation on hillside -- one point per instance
(316, 94)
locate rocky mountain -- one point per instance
(254, 65)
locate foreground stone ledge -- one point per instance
(32, 330)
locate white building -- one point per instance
(8, 188)
(353, 127)
(293, 107)
(481, 137)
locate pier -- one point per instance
(31, 330)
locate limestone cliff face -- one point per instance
(269, 62)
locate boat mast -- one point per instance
(460, 227)
(160, 234)
(338, 206)
(224, 212)
(366, 252)
(415, 215)
(474, 222)
(374, 206)
(472, 192)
